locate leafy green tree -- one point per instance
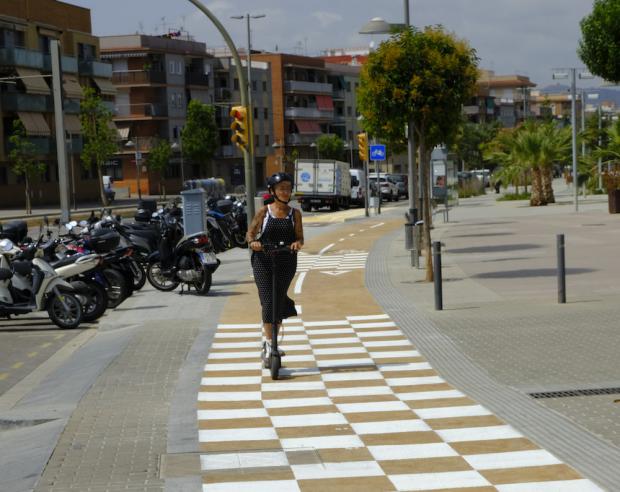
(423, 77)
(599, 47)
(158, 160)
(100, 139)
(22, 158)
(200, 135)
(471, 140)
(330, 147)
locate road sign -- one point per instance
(377, 152)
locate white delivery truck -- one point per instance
(322, 183)
(358, 186)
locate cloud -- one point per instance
(326, 18)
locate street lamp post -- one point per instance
(277, 146)
(565, 74)
(177, 146)
(315, 146)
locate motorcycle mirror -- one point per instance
(118, 219)
(56, 221)
(83, 223)
(154, 215)
(73, 223)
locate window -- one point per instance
(175, 132)
(357, 84)
(348, 86)
(349, 111)
(173, 100)
(255, 113)
(171, 67)
(350, 135)
(114, 169)
(264, 85)
(256, 141)
(86, 51)
(222, 82)
(3, 176)
(254, 85)
(236, 84)
(44, 43)
(180, 101)
(10, 38)
(266, 140)
(172, 170)
(180, 68)
(266, 113)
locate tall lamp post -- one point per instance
(315, 146)
(176, 146)
(565, 74)
(277, 146)
(137, 157)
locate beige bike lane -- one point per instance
(357, 407)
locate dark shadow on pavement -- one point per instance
(140, 307)
(493, 234)
(506, 259)
(541, 272)
(497, 248)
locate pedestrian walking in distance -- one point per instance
(276, 223)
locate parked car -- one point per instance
(389, 190)
(401, 181)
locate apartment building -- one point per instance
(510, 94)
(26, 31)
(155, 78)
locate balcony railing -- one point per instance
(69, 63)
(313, 113)
(297, 139)
(338, 94)
(136, 77)
(145, 144)
(71, 106)
(95, 68)
(310, 87)
(140, 110)
(196, 78)
(21, 57)
(223, 94)
(470, 110)
(42, 145)
(26, 102)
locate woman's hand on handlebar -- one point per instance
(256, 246)
(296, 246)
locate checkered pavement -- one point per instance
(357, 408)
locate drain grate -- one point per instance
(577, 392)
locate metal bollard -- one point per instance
(561, 269)
(417, 243)
(437, 276)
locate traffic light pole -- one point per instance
(250, 188)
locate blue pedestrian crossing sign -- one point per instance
(377, 152)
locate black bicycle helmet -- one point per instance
(279, 178)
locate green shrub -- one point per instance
(514, 196)
(470, 187)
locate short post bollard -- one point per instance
(437, 276)
(561, 269)
(417, 243)
(410, 241)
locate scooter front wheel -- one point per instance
(275, 365)
(65, 311)
(158, 280)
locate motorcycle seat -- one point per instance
(67, 260)
(23, 267)
(5, 274)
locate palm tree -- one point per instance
(555, 147)
(501, 150)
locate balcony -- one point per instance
(139, 77)
(226, 151)
(21, 57)
(312, 113)
(110, 106)
(297, 139)
(223, 94)
(95, 68)
(17, 101)
(139, 111)
(42, 145)
(308, 87)
(196, 78)
(72, 106)
(471, 110)
(69, 64)
(338, 94)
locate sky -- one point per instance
(528, 37)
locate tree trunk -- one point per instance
(547, 184)
(426, 228)
(27, 186)
(104, 198)
(537, 199)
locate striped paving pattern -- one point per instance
(357, 408)
(338, 262)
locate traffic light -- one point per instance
(362, 145)
(239, 127)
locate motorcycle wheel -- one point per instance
(139, 275)
(240, 241)
(157, 280)
(203, 285)
(94, 301)
(65, 317)
(117, 287)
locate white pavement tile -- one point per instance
(239, 334)
(295, 371)
(323, 442)
(238, 366)
(235, 355)
(382, 333)
(353, 376)
(334, 341)
(359, 391)
(450, 412)
(345, 363)
(231, 380)
(515, 459)
(238, 413)
(430, 395)
(339, 322)
(411, 451)
(253, 486)
(395, 354)
(300, 386)
(374, 406)
(232, 461)
(309, 420)
(250, 434)
(298, 402)
(294, 338)
(238, 326)
(479, 433)
(340, 350)
(331, 331)
(554, 486)
(374, 324)
(298, 358)
(368, 317)
(229, 396)
(435, 481)
(387, 343)
(415, 381)
(404, 366)
(337, 470)
(390, 426)
(288, 345)
(292, 321)
(240, 345)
